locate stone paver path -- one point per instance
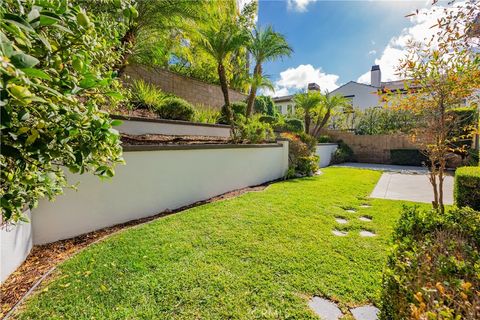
(410, 187)
(341, 220)
(339, 233)
(351, 211)
(365, 233)
(327, 310)
(365, 219)
(365, 313)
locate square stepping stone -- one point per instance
(351, 211)
(325, 309)
(341, 220)
(339, 233)
(365, 206)
(365, 219)
(365, 233)
(365, 313)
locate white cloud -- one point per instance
(396, 49)
(372, 52)
(298, 5)
(296, 79)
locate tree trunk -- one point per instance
(127, 41)
(224, 86)
(257, 72)
(307, 122)
(319, 125)
(433, 181)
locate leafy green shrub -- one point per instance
(175, 109)
(467, 187)
(309, 140)
(238, 108)
(408, 157)
(383, 121)
(463, 122)
(254, 131)
(265, 105)
(56, 62)
(432, 268)
(343, 153)
(324, 139)
(294, 125)
(206, 115)
(268, 119)
(145, 95)
(302, 160)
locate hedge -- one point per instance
(467, 187)
(407, 157)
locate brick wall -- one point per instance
(372, 148)
(194, 91)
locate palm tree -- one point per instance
(322, 112)
(265, 45)
(221, 39)
(307, 101)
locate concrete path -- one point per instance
(404, 183)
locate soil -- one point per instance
(43, 258)
(137, 112)
(162, 139)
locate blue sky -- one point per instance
(338, 41)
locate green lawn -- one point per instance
(260, 255)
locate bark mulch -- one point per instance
(43, 258)
(163, 139)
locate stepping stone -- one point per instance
(365, 313)
(339, 233)
(365, 233)
(351, 211)
(366, 219)
(365, 206)
(325, 309)
(341, 220)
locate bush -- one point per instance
(254, 131)
(145, 95)
(268, 119)
(324, 139)
(343, 153)
(294, 125)
(432, 267)
(265, 105)
(407, 157)
(175, 109)
(467, 187)
(301, 156)
(238, 108)
(206, 115)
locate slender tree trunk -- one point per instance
(257, 72)
(307, 122)
(321, 124)
(433, 181)
(224, 86)
(127, 41)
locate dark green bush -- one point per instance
(267, 119)
(343, 153)
(407, 157)
(467, 187)
(253, 131)
(238, 108)
(432, 268)
(175, 109)
(324, 139)
(265, 105)
(294, 125)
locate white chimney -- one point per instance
(376, 76)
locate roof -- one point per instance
(355, 82)
(283, 98)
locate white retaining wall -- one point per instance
(137, 126)
(325, 152)
(16, 243)
(153, 181)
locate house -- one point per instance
(362, 95)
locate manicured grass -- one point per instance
(261, 255)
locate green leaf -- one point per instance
(36, 73)
(88, 82)
(116, 122)
(32, 137)
(18, 21)
(23, 60)
(47, 20)
(115, 95)
(5, 45)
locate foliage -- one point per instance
(467, 187)
(384, 121)
(432, 268)
(324, 139)
(264, 45)
(145, 95)
(252, 130)
(206, 115)
(301, 154)
(464, 124)
(56, 62)
(307, 102)
(265, 105)
(343, 153)
(238, 109)
(408, 157)
(175, 108)
(293, 125)
(268, 119)
(443, 72)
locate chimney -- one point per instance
(313, 87)
(376, 76)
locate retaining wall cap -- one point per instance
(180, 122)
(147, 147)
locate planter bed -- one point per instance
(163, 139)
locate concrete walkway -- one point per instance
(405, 183)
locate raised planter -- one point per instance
(140, 125)
(16, 243)
(325, 152)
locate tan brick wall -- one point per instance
(194, 91)
(372, 148)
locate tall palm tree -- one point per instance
(265, 45)
(307, 101)
(221, 39)
(322, 112)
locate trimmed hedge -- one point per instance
(175, 109)
(294, 125)
(432, 267)
(407, 157)
(467, 187)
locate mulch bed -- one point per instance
(163, 139)
(43, 258)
